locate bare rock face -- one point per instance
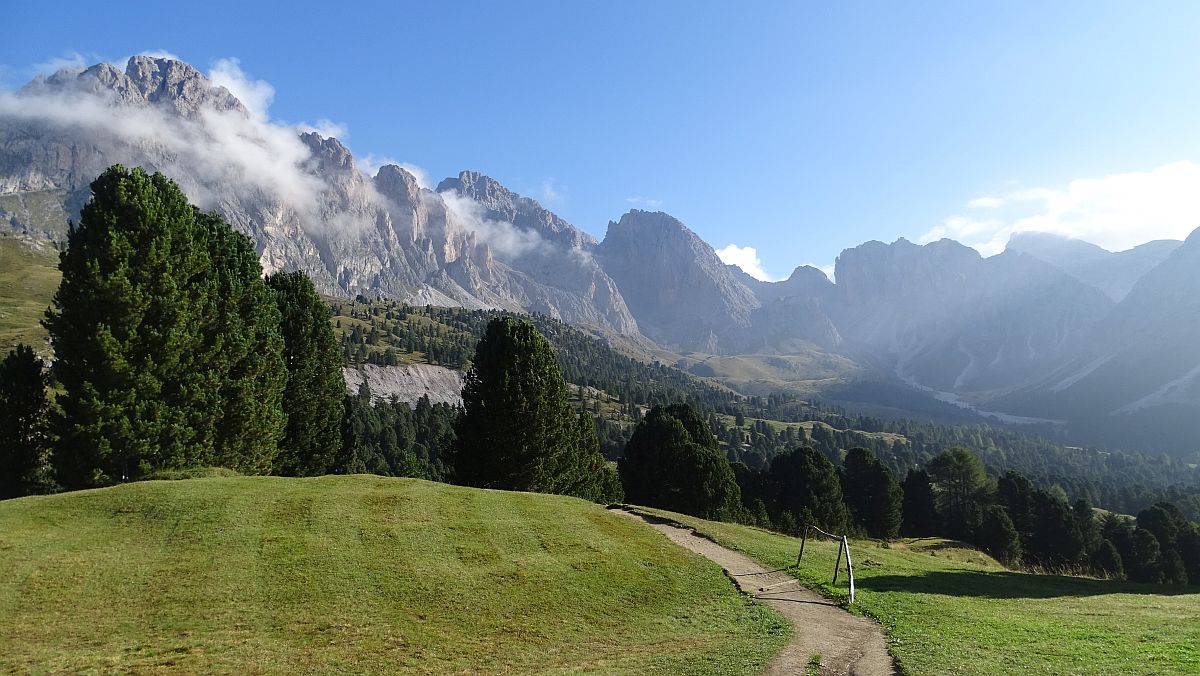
(506, 206)
(681, 293)
(943, 317)
(407, 383)
(1113, 273)
(300, 196)
(572, 287)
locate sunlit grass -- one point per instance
(948, 609)
(358, 574)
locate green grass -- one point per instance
(358, 574)
(805, 371)
(951, 610)
(28, 279)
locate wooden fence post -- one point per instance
(849, 567)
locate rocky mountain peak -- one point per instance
(328, 153)
(677, 287)
(502, 204)
(394, 182)
(146, 81)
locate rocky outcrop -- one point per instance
(407, 383)
(301, 198)
(943, 317)
(681, 293)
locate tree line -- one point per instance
(174, 351)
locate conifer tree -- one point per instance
(872, 494)
(806, 485)
(998, 536)
(962, 489)
(23, 424)
(124, 329)
(920, 507)
(243, 348)
(313, 395)
(517, 430)
(673, 461)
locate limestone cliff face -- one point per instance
(678, 289)
(570, 285)
(300, 196)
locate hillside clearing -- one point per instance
(357, 574)
(951, 610)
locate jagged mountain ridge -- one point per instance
(301, 197)
(938, 316)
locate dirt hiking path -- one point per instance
(848, 644)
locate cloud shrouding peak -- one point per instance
(746, 258)
(1116, 212)
(256, 95)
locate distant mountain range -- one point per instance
(1104, 345)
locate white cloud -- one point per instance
(985, 203)
(1117, 212)
(746, 258)
(551, 194)
(647, 202)
(57, 63)
(256, 95)
(507, 240)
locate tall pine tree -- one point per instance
(243, 349)
(313, 396)
(673, 461)
(872, 494)
(518, 430)
(805, 485)
(125, 331)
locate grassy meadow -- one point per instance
(28, 279)
(358, 574)
(952, 610)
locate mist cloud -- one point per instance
(1116, 212)
(220, 157)
(507, 241)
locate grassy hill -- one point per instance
(358, 574)
(28, 278)
(951, 610)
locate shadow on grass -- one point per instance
(1010, 585)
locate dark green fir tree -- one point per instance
(313, 397)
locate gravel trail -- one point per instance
(847, 644)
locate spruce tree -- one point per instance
(313, 396)
(920, 507)
(125, 331)
(243, 348)
(872, 494)
(962, 489)
(517, 430)
(806, 485)
(673, 461)
(24, 424)
(998, 537)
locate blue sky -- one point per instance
(797, 128)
